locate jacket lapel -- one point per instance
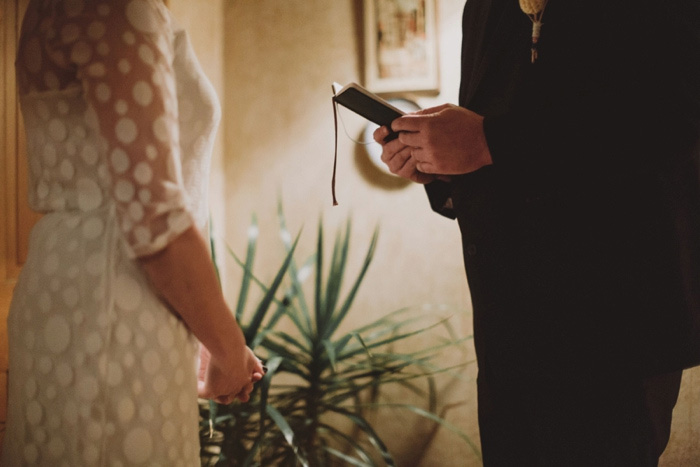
(488, 35)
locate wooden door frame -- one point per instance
(16, 219)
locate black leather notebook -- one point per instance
(368, 105)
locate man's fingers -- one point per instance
(418, 154)
(425, 167)
(391, 149)
(406, 123)
(402, 155)
(396, 161)
(407, 169)
(415, 139)
(380, 134)
(422, 178)
(410, 123)
(410, 171)
(432, 110)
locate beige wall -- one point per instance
(273, 62)
(281, 58)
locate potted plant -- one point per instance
(310, 408)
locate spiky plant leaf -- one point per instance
(437, 419)
(287, 431)
(339, 316)
(295, 275)
(318, 290)
(366, 427)
(337, 272)
(253, 234)
(263, 307)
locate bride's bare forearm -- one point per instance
(184, 276)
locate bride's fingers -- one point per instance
(224, 400)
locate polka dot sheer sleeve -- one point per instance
(122, 54)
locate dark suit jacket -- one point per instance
(582, 240)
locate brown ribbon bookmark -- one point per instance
(335, 156)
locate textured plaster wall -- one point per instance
(272, 62)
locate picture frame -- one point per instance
(401, 46)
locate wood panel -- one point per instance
(5, 189)
(16, 219)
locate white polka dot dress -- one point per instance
(120, 124)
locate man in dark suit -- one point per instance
(575, 179)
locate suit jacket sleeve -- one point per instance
(440, 198)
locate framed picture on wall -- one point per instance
(401, 51)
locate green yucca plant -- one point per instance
(311, 407)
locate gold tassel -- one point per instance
(534, 9)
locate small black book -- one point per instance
(368, 105)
